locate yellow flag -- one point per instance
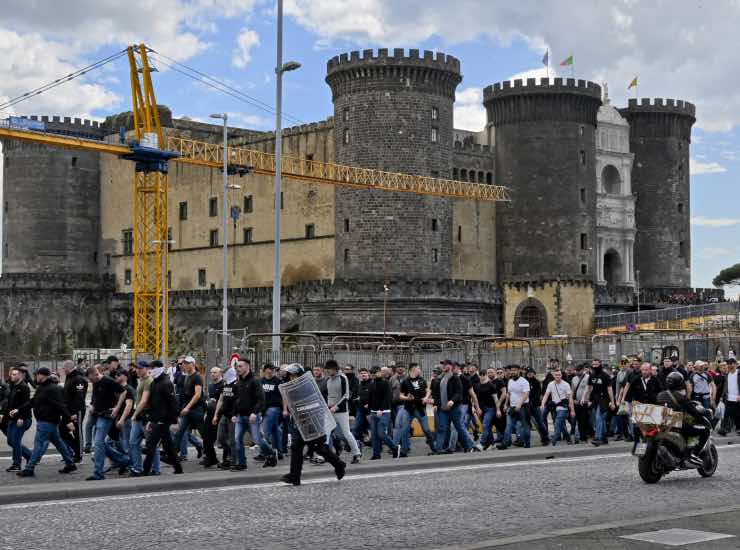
(632, 84)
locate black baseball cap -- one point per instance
(110, 359)
(43, 370)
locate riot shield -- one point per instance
(307, 407)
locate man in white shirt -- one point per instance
(732, 393)
(562, 396)
(518, 401)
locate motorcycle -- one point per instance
(663, 448)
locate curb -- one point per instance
(213, 478)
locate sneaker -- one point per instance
(340, 469)
(25, 473)
(199, 450)
(375, 457)
(356, 459)
(259, 458)
(502, 447)
(280, 456)
(396, 451)
(123, 470)
(14, 468)
(68, 468)
(290, 480)
(477, 448)
(87, 450)
(134, 473)
(94, 478)
(208, 463)
(317, 460)
(238, 467)
(226, 465)
(595, 442)
(270, 462)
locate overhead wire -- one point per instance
(62, 80)
(216, 84)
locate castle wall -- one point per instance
(545, 153)
(660, 135)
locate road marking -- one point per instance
(677, 537)
(349, 477)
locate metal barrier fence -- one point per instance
(726, 312)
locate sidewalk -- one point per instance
(49, 485)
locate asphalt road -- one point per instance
(473, 506)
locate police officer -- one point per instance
(317, 445)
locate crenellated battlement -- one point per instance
(660, 105)
(78, 127)
(467, 147)
(545, 85)
(399, 57)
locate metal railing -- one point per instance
(669, 314)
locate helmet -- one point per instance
(295, 369)
(674, 381)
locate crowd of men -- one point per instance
(150, 413)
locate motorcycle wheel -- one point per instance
(649, 471)
(709, 469)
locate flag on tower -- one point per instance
(567, 61)
(633, 84)
(546, 58)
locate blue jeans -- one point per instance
(452, 417)
(271, 426)
(401, 430)
(89, 428)
(489, 415)
(123, 443)
(361, 424)
(599, 422)
(379, 432)
(561, 417)
(15, 440)
(47, 432)
(242, 425)
(540, 422)
(192, 420)
(103, 450)
(135, 440)
(405, 435)
(522, 417)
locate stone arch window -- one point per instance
(611, 181)
(530, 319)
(613, 269)
(489, 178)
(463, 174)
(480, 177)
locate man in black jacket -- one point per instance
(17, 397)
(75, 391)
(448, 401)
(49, 409)
(163, 412)
(250, 402)
(362, 412)
(379, 408)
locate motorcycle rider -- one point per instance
(674, 397)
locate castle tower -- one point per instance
(660, 134)
(545, 153)
(51, 207)
(393, 112)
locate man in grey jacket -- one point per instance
(579, 383)
(337, 398)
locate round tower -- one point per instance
(393, 113)
(660, 135)
(545, 153)
(51, 207)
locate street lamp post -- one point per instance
(280, 68)
(163, 327)
(637, 282)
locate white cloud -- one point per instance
(242, 55)
(714, 222)
(680, 57)
(469, 113)
(729, 155)
(697, 168)
(712, 252)
(256, 122)
(539, 72)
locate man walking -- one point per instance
(272, 416)
(731, 396)
(415, 395)
(337, 394)
(222, 419)
(193, 410)
(517, 391)
(108, 400)
(449, 410)
(250, 402)
(75, 393)
(163, 412)
(601, 397)
(210, 429)
(49, 409)
(379, 405)
(18, 398)
(561, 394)
(140, 419)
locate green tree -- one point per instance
(729, 276)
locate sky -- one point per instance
(681, 49)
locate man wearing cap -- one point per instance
(336, 394)
(222, 419)
(49, 409)
(108, 402)
(75, 393)
(163, 412)
(140, 418)
(192, 401)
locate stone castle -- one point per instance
(599, 195)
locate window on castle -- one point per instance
(169, 279)
(489, 178)
(346, 225)
(169, 238)
(584, 241)
(346, 136)
(480, 177)
(582, 156)
(201, 277)
(682, 249)
(454, 173)
(213, 237)
(459, 233)
(583, 195)
(680, 208)
(127, 277)
(310, 231)
(74, 161)
(247, 235)
(435, 255)
(127, 239)
(581, 130)
(309, 157)
(107, 260)
(213, 207)
(248, 204)
(463, 175)
(435, 113)
(345, 114)
(435, 224)
(434, 134)
(183, 210)
(346, 255)
(584, 269)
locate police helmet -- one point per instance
(294, 369)
(674, 381)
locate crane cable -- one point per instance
(62, 80)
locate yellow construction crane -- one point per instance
(152, 150)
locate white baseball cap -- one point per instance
(190, 359)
